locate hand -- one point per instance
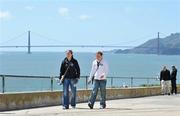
(62, 78)
(58, 81)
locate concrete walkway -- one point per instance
(146, 106)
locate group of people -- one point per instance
(70, 74)
(168, 81)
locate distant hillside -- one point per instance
(169, 45)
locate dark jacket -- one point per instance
(165, 75)
(73, 72)
(173, 74)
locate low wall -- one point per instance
(14, 101)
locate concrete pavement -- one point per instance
(145, 106)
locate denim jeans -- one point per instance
(66, 84)
(102, 85)
(173, 87)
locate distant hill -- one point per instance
(169, 45)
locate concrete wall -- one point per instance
(12, 101)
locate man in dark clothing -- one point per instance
(165, 79)
(173, 80)
(69, 76)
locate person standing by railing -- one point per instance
(98, 78)
(69, 76)
(165, 79)
(173, 80)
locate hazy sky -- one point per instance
(97, 22)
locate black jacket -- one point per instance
(165, 75)
(174, 74)
(73, 72)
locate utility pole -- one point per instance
(158, 46)
(29, 42)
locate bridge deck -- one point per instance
(147, 106)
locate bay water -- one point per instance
(48, 64)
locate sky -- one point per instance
(86, 22)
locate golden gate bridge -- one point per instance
(29, 45)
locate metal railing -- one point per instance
(112, 81)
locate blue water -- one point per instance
(48, 64)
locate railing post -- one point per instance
(3, 84)
(111, 82)
(131, 81)
(86, 82)
(51, 83)
(147, 81)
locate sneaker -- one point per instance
(73, 107)
(90, 105)
(169, 94)
(65, 108)
(102, 106)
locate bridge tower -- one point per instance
(158, 46)
(29, 42)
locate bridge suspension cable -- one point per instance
(29, 45)
(13, 38)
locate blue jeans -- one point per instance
(102, 85)
(66, 84)
(173, 86)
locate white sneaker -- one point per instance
(73, 107)
(64, 108)
(102, 107)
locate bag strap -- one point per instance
(67, 70)
(95, 71)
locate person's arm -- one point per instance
(172, 74)
(62, 70)
(77, 69)
(161, 76)
(176, 74)
(92, 71)
(169, 75)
